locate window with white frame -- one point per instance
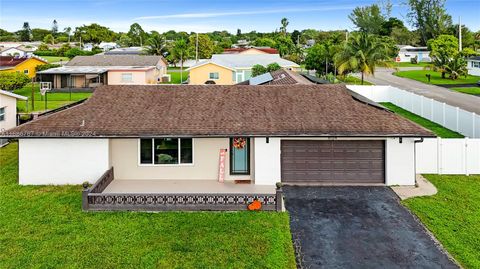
(127, 77)
(475, 64)
(2, 113)
(160, 151)
(214, 75)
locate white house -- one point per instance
(473, 66)
(106, 46)
(407, 53)
(8, 111)
(17, 51)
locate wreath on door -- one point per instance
(239, 142)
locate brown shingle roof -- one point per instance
(220, 110)
(10, 61)
(115, 60)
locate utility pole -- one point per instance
(459, 33)
(346, 35)
(196, 49)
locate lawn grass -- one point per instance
(453, 215)
(54, 59)
(468, 90)
(54, 100)
(409, 64)
(436, 77)
(351, 80)
(44, 227)
(175, 77)
(432, 126)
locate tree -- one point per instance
(258, 70)
(295, 36)
(273, 67)
(54, 28)
(283, 28)
(68, 31)
(390, 24)
(43, 47)
(124, 41)
(94, 33)
(265, 42)
(368, 19)
(284, 45)
(26, 33)
(321, 56)
(155, 45)
(180, 49)
(49, 39)
(205, 45)
(468, 38)
(239, 33)
(456, 67)
(442, 50)
(403, 36)
(429, 17)
(10, 81)
(74, 52)
(137, 35)
(39, 34)
(362, 53)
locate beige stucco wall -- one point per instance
(10, 105)
(200, 75)
(138, 78)
(124, 154)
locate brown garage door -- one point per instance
(333, 161)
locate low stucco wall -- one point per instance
(61, 161)
(124, 157)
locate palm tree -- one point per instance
(156, 45)
(362, 53)
(284, 23)
(68, 31)
(456, 67)
(181, 50)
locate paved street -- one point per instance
(465, 101)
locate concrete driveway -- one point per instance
(464, 101)
(358, 227)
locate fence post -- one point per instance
(431, 110)
(421, 106)
(457, 109)
(439, 156)
(443, 117)
(465, 159)
(85, 192)
(279, 197)
(473, 124)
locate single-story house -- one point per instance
(170, 137)
(18, 51)
(25, 65)
(125, 51)
(106, 46)
(96, 70)
(8, 111)
(473, 66)
(251, 50)
(406, 53)
(228, 69)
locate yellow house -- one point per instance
(25, 65)
(229, 69)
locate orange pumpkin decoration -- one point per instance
(255, 205)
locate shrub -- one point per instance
(74, 52)
(45, 52)
(273, 67)
(13, 81)
(258, 69)
(414, 60)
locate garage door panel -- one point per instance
(336, 161)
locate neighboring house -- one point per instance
(96, 70)
(407, 53)
(241, 43)
(18, 51)
(227, 69)
(175, 135)
(251, 50)
(8, 111)
(473, 66)
(106, 46)
(279, 77)
(189, 63)
(125, 51)
(25, 65)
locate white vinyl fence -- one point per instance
(448, 156)
(451, 117)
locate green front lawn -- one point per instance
(436, 77)
(55, 59)
(468, 90)
(175, 77)
(432, 126)
(409, 64)
(44, 227)
(54, 100)
(453, 215)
